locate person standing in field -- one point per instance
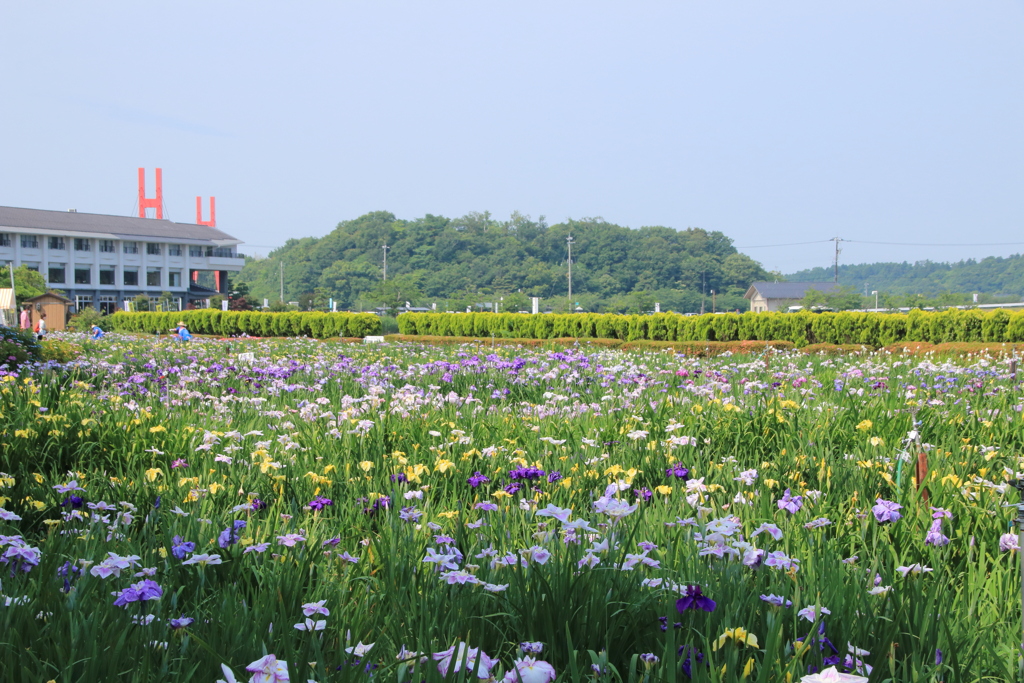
(26, 318)
(41, 326)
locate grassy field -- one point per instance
(586, 514)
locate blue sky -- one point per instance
(775, 123)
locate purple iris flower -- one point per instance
(399, 478)
(886, 510)
(695, 599)
(935, 535)
(526, 473)
(180, 547)
(410, 514)
(181, 623)
(477, 479)
(678, 471)
(790, 503)
(643, 494)
(142, 591)
(319, 503)
(69, 573)
(74, 502)
(230, 536)
(554, 476)
(381, 503)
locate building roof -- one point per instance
(109, 227)
(50, 295)
(787, 290)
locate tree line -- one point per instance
(995, 279)
(462, 262)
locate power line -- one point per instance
(791, 244)
(915, 244)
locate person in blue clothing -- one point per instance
(96, 332)
(181, 332)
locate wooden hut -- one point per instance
(54, 306)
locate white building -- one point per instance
(103, 261)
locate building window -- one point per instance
(56, 243)
(174, 278)
(108, 303)
(82, 244)
(83, 301)
(31, 266)
(29, 242)
(153, 249)
(174, 250)
(199, 252)
(131, 278)
(107, 246)
(5, 239)
(152, 278)
(131, 247)
(56, 274)
(107, 276)
(223, 252)
(83, 276)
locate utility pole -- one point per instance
(281, 263)
(703, 289)
(568, 241)
(714, 309)
(875, 292)
(837, 240)
(385, 248)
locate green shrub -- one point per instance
(253, 323)
(17, 347)
(59, 351)
(802, 328)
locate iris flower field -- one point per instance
(274, 510)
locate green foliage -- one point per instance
(18, 346)
(841, 299)
(803, 328)
(59, 351)
(253, 323)
(927, 283)
(477, 258)
(394, 293)
(85, 319)
(27, 283)
(140, 304)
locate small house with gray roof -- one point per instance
(778, 296)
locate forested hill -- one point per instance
(993, 275)
(447, 257)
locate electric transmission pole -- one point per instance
(385, 248)
(568, 241)
(835, 266)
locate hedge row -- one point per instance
(253, 323)
(868, 329)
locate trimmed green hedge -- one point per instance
(803, 328)
(253, 323)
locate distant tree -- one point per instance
(841, 299)
(239, 299)
(27, 283)
(641, 302)
(140, 303)
(516, 301)
(393, 293)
